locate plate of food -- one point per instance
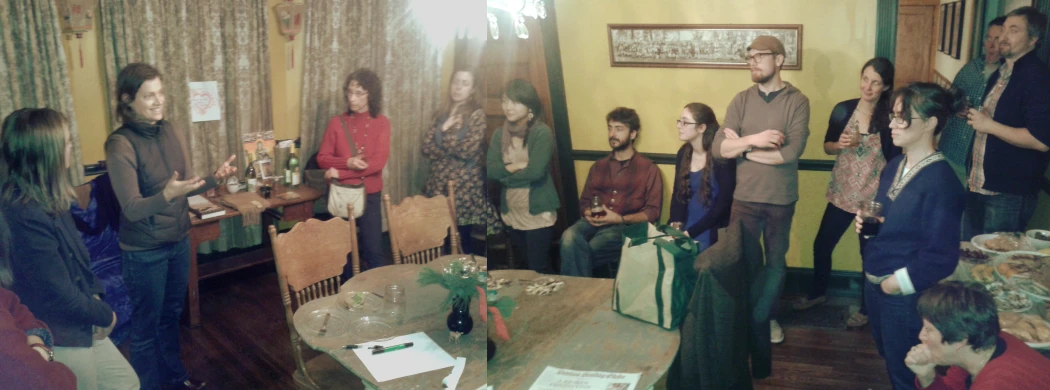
(359, 301)
(1040, 239)
(974, 256)
(998, 243)
(1013, 300)
(1021, 264)
(1035, 290)
(983, 273)
(1030, 328)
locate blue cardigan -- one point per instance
(920, 237)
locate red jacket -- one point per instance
(371, 135)
(22, 367)
(1019, 367)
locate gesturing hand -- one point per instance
(226, 169)
(178, 188)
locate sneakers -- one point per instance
(857, 320)
(804, 303)
(776, 333)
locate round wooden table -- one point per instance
(575, 328)
(424, 314)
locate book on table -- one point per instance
(204, 209)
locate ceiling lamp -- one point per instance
(518, 10)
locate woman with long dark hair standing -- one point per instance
(703, 187)
(370, 132)
(50, 267)
(859, 138)
(147, 161)
(455, 147)
(519, 158)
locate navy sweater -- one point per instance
(921, 231)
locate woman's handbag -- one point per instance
(341, 195)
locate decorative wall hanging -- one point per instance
(518, 9)
(697, 45)
(290, 22)
(78, 17)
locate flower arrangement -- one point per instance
(460, 277)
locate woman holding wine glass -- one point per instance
(703, 187)
(859, 137)
(918, 242)
(519, 158)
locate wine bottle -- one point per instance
(250, 174)
(293, 168)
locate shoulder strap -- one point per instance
(349, 139)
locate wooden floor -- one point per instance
(243, 344)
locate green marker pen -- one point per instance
(391, 348)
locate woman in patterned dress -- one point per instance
(454, 144)
(855, 177)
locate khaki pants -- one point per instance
(100, 366)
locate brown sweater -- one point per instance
(141, 158)
(749, 114)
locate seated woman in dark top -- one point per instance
(918, 242)
(703, 187)
(51, 266)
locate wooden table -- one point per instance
(206, 230)
(575, 328)
(424, 314)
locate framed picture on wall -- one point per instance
(943, 46)
(697, 45)
(958, 23)
(951, 29)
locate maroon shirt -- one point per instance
(22, 367)
(625, 187)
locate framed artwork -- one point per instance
(719, 46)
(958, 23)
(943, 47)
(951, 29)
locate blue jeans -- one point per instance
(895, 325)
(156, 280)
(997, 213)
(773, 224)
(369, 237)
(584, 247)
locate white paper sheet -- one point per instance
(554, 378)
(452, 380)
(423, 356)
(205, 104)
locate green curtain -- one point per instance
(33, 65)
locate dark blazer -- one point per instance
(840, 118)
(1025, 103)
(52, 272)
(725, 174)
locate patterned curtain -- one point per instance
(223, 41)
(33, 65)
(385, 36)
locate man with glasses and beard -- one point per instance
(765, 130)
(628, 188)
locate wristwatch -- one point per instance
(48, 351)
(746, 151)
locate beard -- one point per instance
(623, 144)
(760, 79)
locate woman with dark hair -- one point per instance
(51, 268)
(455, 147)
(370, 134)
(859, 138)
(146, 159)
(519, 157)
(703, 187)
(917, 244)
(961, 330)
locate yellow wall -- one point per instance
(838, 37)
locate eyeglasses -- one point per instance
(681, 122)
(358, 94)
(900, 120)
(753, 59)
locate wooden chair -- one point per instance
(310, 260)
(419, 225)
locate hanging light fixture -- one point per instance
(518, 10)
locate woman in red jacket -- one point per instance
(370, 132)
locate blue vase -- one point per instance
(459, 319)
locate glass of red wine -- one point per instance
(597, 211)
(870, 224)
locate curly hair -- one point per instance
(369, 81)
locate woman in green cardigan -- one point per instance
(519, 157)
